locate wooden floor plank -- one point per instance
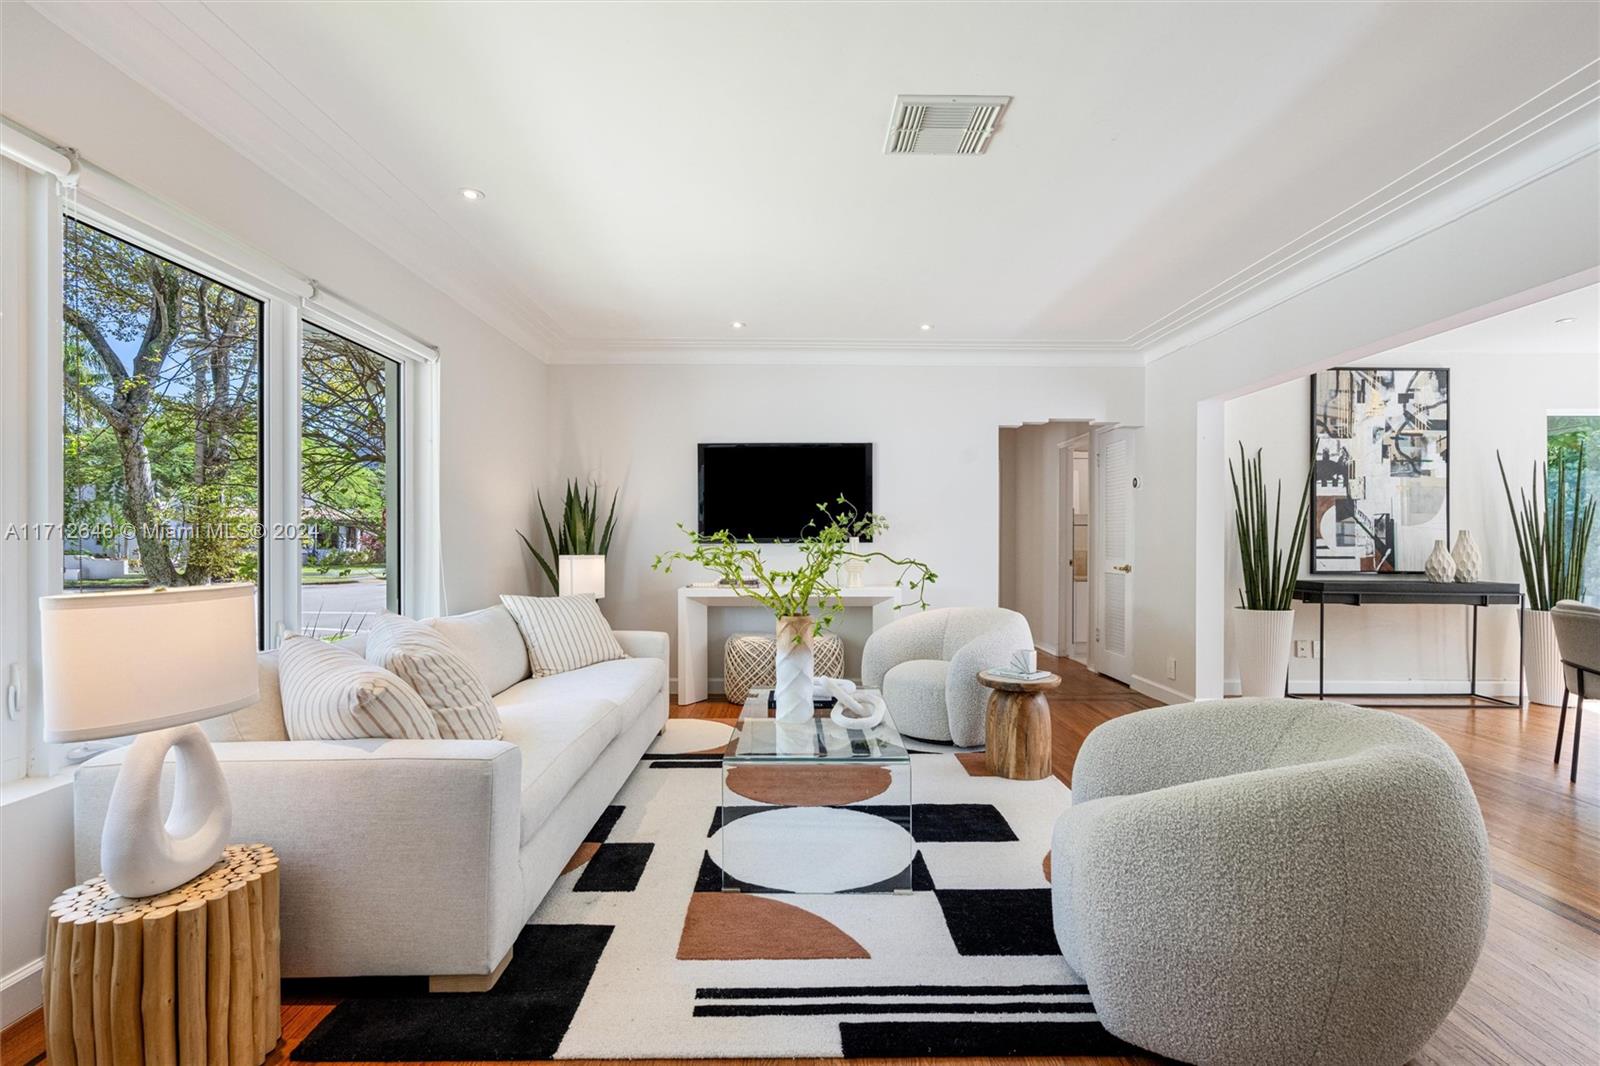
(1534, 999)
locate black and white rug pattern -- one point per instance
(638, 953)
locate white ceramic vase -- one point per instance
(854, 568)
(792, 693)
(1440, 566)
(1542, 658)
(1262, 640)
(1469, 560)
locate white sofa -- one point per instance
(426, 856)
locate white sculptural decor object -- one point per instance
(152, 662)
(1468, 559)
(851, 709)
(1440, 567)
(854, 567)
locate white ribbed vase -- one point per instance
(792, 692)
(1262, 642)
(1440, 565)
(1542, 658)
(1469, 560)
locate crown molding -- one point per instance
(841, 353)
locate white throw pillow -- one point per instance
(455, 693)
(333, 694)
(563, 632)
(491, 642)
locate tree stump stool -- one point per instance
(1017, 726)
(188, 977)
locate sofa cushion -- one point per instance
(263, 719)
(333, 694)
(491, 642)
(562, 632)
(563, 723)
(420, 656)
(914, 691)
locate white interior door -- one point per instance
(1112, 516)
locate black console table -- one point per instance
(1357, 591)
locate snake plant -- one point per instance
(1270, 567)
(1552, 546)
(580, 531)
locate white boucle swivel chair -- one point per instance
(1271, 882)
(926, 665)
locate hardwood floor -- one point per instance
(1534, 999)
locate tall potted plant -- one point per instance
(1553, 540)
(789, 593)
(1263, 623)
(580, 532)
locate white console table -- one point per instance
(695, 600)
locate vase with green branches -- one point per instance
(1264, 620)
(1553, 523)
(833, 537)
(580, 531)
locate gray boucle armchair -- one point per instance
(927, 665)
(1271, 882)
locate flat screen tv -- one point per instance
(770, 491)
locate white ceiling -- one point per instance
(1568, 324)
(655, 171)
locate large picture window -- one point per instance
(161, 419)
(350, 484)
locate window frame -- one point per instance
(288, 300)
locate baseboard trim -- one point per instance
(21, 992)
(1157, 691)
(1048, 649)
(1499, 687)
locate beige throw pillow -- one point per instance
(455, 693)
(333, 694)
(563, 632)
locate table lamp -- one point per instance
(580, 575)
(152, 662)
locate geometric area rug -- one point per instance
(638, 953)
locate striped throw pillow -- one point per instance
(333, 694)
(448, 684)
(563, 632)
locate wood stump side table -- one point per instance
(189, 977)
(1017, 726)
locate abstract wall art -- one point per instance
(1380, 456)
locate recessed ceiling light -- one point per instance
(1565, 321)
(737, 325)
(470, 193)
(926, 326)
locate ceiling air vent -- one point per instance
(943, 125)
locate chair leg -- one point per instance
(1577, 728)
(1561, 723)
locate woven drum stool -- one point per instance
(749, 660)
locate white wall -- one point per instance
(936, 450)
(1030, 495)
(1496, 403)
(1500, 249)
(491, 390)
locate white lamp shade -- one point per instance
(129, 662)
(582, 575)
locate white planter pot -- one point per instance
(792, 692)
(1541, 658)
(1262, 640)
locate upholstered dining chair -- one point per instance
(1577, 628)
(926, 665)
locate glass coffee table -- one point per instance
(814, 807)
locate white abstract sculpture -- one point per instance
(854, 711)
(152, 662)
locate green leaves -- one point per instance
(580, 532)
(1270, 565)
(823, 546)
(1552, 546)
